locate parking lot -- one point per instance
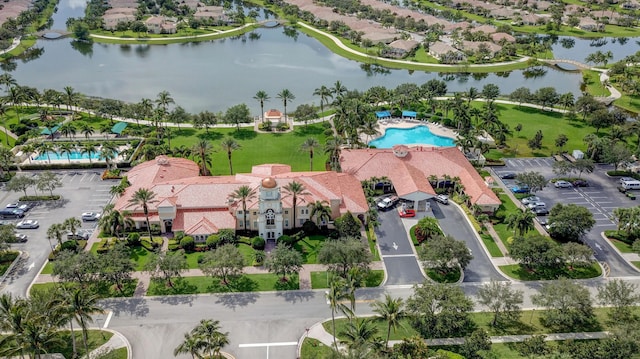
(81, 191)
(601, 198)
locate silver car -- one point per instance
(526, 201)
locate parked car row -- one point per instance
(535, 205)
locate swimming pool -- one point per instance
(419, 135)
(74, 155)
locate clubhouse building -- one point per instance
(200, 205)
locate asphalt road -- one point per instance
(396, 250)
(601, 198)
(453, 222)
(154, 326)
(81, 191)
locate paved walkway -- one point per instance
(318, 332)
(115, 342)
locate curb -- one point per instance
(123, 338)
(606, 239)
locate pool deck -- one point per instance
(435, 128)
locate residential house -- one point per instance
(111, 21)
(441, 50)
(475, 46)
(160, 25)
(401, 48)
(499, 37)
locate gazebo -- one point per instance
(118, 128)
(383, 114)
(50, 131)
(409, 114)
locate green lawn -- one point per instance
(104, 290)
(48, 268)
(518, 272)
(451, 276)
(622, 246)
(140, 256)
(491, 245)
(248, 253)
(371, 238)
(309, 247)
(245, 283)
(6, 259)
(550, 123)
(192, 259)
(314, 349)
(95, 338)
(507, 207)
(319, 280)
(258, 148)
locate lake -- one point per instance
(215, 75)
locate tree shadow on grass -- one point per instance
(187, 132)
(291, 283)
(244, 134)
(546, 112)
(180, 286)
(238, 284)
(308, 130)
(211, 136)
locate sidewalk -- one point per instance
(318, 332)
(144, 278)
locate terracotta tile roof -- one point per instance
(203, 222)
(410, 173)
(176, 183)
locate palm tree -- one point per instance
(334, 296)
(338, 89)
(66, 148)
(243, 194)
(263, 97)
(3, 113)
(86, 129)
(28, 149)
(83, 304)
(321, 210)
(295, 190)
(56, 231)
(325, 94)
(164, 100)
(71, 224)
(67, 129)
(143, 197)
(108, 152)
(202, 150)
(521, 222)
(333, 147)
(229, 145)
(359, 333)
(114, 221)
(146, 109)
(190, 345)
(286, 96)
(71, 98)
(89, 148)
(45, 148)
(310, 145)
(213, 340)
(16, 95)
(390, 310)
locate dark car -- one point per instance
(508, 175)
(540, 211)
(520, 189)
(580, 183)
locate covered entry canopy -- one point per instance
(119, 127)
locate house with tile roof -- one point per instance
(200, 206)
(409, 169)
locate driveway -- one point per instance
(81, 191)
(601, 198)
(453, 222)
(396, 251)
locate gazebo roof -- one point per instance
(49, 132)
(383, 114)
(409, 114)
(119, 127)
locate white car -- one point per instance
(442, 198)
(28, 224)
(90, 216)
(388, 202)
(21, 237)
(563, 184)
(526, 201)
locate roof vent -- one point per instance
(162, 160)
(400, 150)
